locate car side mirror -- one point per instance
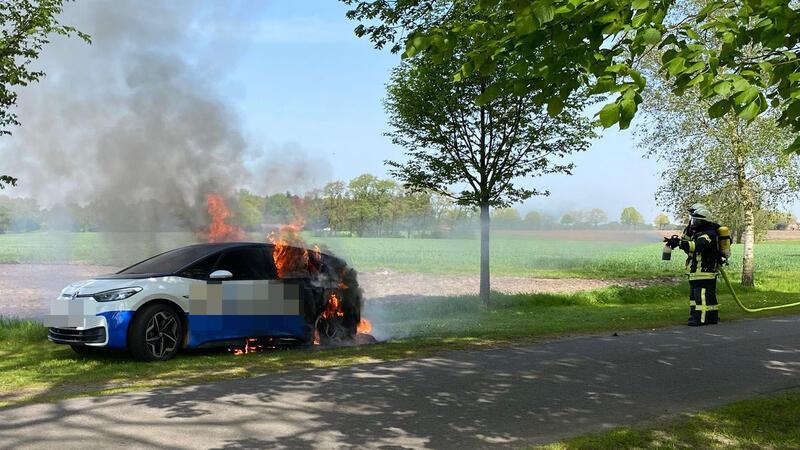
(220, 275)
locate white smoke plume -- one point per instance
(137, 115)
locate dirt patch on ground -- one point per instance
(590, 235)
(783, 235)
(388, 283)
(26, 289)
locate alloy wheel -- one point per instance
(161, 334)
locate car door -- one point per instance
(251, 303)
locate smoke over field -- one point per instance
(137, 116)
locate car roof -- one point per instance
(225, 245)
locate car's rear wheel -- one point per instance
(155, 334)
(337, 328)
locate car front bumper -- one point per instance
(105, 329)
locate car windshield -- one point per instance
(171, 261)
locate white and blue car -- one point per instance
(205, 295)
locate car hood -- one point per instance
(89, 287)
(131, 276)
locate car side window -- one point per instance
(201, 269)
(245, 263)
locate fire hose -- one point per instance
(739, 302)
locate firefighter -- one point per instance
(700, 241)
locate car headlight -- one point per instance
(116, 294)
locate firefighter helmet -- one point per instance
(699, 211)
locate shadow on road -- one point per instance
(504, 397)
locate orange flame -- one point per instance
(364, 326)
(251, 345)
(333, 307)
(218, 229)
(289, 254)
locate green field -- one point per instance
(511, 255)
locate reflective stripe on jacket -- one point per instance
(702, 251)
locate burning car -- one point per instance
(212, 295)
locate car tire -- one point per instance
(155, 334)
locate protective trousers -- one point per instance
(703, 307)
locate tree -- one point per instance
(5, 219)
(506, 217)
(249, 210)
(782, 220)
(535, 220)
(334, 198)
(476, 154)
(596, 216)
(661, 221)
(568, 220)
(734, 165)
(27, 26)
(278, 209)
(364, 207)
(632, 217)
(573, 44)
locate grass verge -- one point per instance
(34, 370)
(763, 423)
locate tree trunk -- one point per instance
(749, 239)
(484, 291)
(748, 235)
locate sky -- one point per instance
(302, 89)
(306, 79)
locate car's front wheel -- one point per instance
(155, 334)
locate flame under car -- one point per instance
(211, 295)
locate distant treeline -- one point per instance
(364, 206)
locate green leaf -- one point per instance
(616, 68)
(604, 83)
(640, 4)
(719, 109)
(692, 34)
(766, 66)
(638, 79)
(795, 147)
(747, 96)
(524, 25)
(639, 19)
(723, 88)
(491, 93)
(696, 80)
(609, 115)
(608, 17)
(555, 106)
(627, 111)
(650, 36)
(675, 66)
(750, 111)
(544, 12)
(467, 68)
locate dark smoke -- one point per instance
(137, 116)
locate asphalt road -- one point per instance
(470, 399)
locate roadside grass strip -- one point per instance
(35, 370)
(762, 423)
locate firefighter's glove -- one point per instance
(673, 242)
